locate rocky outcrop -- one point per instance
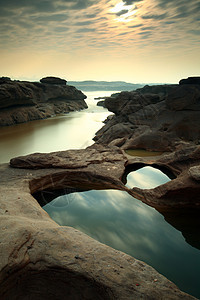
(53, 80)
(22, 101)
(42, 260)
(190, 80)
(160, 121)
(103, 167)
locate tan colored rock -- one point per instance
(194, 172)
(42, 260)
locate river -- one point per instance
(68, 131)
(112, 217)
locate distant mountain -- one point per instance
(91, 85)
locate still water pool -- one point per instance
(117, 219)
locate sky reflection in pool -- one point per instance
(146, 178)
(124, 223)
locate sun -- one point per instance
(120, 7)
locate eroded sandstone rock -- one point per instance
(22, 101)
(42, 260)
(62, 261)
(157, 122)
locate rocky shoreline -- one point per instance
(157, 118)
(23, 101)
(42, 260)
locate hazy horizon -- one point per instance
(139, 41)
(84, 80)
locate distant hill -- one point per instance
(91, 85)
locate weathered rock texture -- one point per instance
(42, 260)
(158, 118)
(22, 101)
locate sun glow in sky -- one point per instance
(119, 7)
(124, 12)
(135, 41)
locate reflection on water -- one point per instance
(70, 131)
(124, 223)
(146, 178)
(187, 221)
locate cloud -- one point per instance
(46, 5)
(83, 23)
(155, 17)
(135, 26)
(180, 8)
(84, 26)
(85, 30)
(50, 18)
(131, 2)
(122, 12)
(61, 29)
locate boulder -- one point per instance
(194, 172)
(53, 80)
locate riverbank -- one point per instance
(74, 130)
(23, 101)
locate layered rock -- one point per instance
(42, 260)
(62, 261)
(159, 118)
(22, 101)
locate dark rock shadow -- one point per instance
(187, 221)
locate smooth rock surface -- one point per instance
(42, 260)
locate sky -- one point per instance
(142, 41)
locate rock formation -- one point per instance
(159, 118)
(53, 80)
(190, 80)
(42, 260)
(22, 101)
